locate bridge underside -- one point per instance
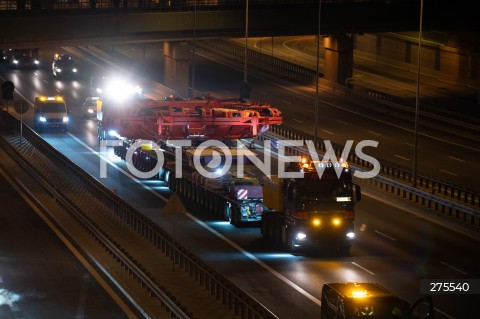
(84, 27)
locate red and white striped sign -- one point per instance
(242, 193)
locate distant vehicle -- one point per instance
(50, 112)
(63, 66)
(353, 300)
(21, 58)
(91, 106)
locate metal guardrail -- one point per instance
(427, 199)
(273, 65)
(220, 287)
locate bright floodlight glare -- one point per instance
(120, 89)
(301, 236)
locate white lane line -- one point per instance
(328, 132)
(363, 268)
(457, 159)
(454, 268)
(442, 170)
(297, 121)
(404, 158)
(443, 313)
(340, 121)
(45, 81)
(311, 111)
(384, 235)
(118, 168)
(35, 73)
(259, 262)
(58, 90)
(410, 144)
(228, 241)
(375, 133)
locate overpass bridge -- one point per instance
(37, 23)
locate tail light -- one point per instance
(350, 214)
(300, 214)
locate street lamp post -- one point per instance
(417, 99)
(193, 50)
(317, 76)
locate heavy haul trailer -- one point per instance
(311, 212)
(229, 198)
(141, 118)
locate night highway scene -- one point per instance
(239, 159)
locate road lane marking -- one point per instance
(410, 144)
(310, 111)
(457, 159)
(375, 133)
(384, 235)
(340, 121)
(442, 170)
(285, 101)
(404, 158)
(225, 239)
(118, 168)
(363, 268)
(453, 267)
(258, 261)
(328, 132)
(297, 120)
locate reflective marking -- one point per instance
(375, 133)
(328, 132)
(442, 170)
(443, 313)
(363, 268)
(58, 90)
(404, 158)
(297, 120)
(454, 268)
(457, 159)
(384, 235)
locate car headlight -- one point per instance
(42, 119)
(58, 70)
(90, 111)
(15, 61)
(65, 119)
(36, 62)
(74, 70)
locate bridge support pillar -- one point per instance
(338, 58)
(177, 64)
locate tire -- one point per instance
(290, 243)
(227, 213)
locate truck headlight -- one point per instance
(65, 119)
(113, 133)
(42, 119)
(336, 221)
(301, 236)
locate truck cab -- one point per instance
(313, 212)
(354, 300)
(50, 112)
